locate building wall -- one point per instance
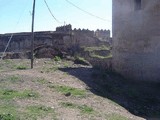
(66, 40)
(136, 39)
(21, 42)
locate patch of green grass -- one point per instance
(90, 49)
(66, 65)
(7, 117)
(8, 61)
(14, 78)
(57, 58)
(67, 89)
(8, 112)
(86, 109)
(101, 57)
(115, 117)
(80, 60)
(6, 64)
(1, 68)
(50, 69)
(39, 111)
(21, 67)
(9, 80)
(83, 108)
(41, 80)
(68, 104)
(8, 94)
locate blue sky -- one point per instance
(15, 15)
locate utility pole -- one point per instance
(32, 41)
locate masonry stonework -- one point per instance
(136, 39)
(63, 39)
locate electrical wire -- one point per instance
(86, 11)
(51, 12)
(7, 46)
(10, 38)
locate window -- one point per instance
(138, 4)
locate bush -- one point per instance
(57, 58)
(21, 67)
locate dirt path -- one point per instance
(66, 107)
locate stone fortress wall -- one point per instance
(64, 39)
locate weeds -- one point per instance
(83, 108)
(14, 78)
(8, 112)
(66, 65)
(57, 58)
(10, 79)
(80, 60)
(100, 57)
(8, 61)
(40, 111)
(90, 49)
(9, 64)
(68, 104)
(41, 80)
(5, 64)
(21, 67)
(7, 117)
(51, 69)
(72, 91)
(8, 94)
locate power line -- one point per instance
(52, 13)
(10, 39)
(86, 11)
(7, 46)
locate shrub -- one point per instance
(57, 58)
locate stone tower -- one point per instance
(136, 39)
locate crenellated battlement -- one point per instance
(83, 31)
(65, 28)
(59, 38)
(102, 34)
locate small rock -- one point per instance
(31, 95)
(67, 94)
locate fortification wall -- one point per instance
(21, 42)
(64, 39)
(87, 38)
(102, 34)
(65, 28)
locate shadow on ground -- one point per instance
(139, 98)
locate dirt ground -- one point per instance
(61, 90)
